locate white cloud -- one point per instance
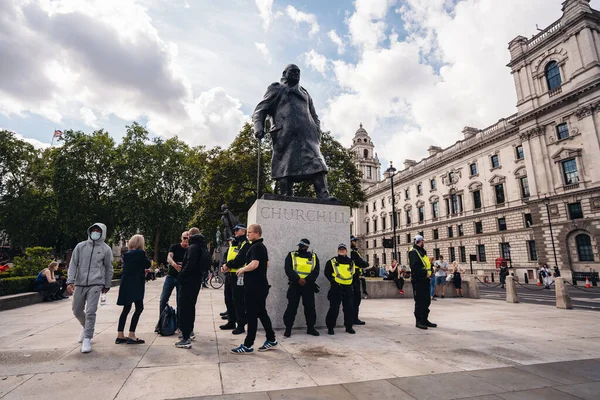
(264, 50)
(265, 9)
(34, 142)
(299, 17)
(337, 40)
(88, 117)
(366, 25)
(316, 61)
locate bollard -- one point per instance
(473, 288)
(563, 300)
(511, 290)
(526, 278)
(493, 277)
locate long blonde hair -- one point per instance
(136, 242)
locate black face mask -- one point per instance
(302, 249)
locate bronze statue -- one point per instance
(229, 221)
(296, 134)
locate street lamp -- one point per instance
(547, 202)
(391, 171)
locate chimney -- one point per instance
(433, 150)
(572, 8)
(409, 163)
(469, 132)
(517, 46)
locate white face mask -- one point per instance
(95, 235)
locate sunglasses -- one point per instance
(185, 238)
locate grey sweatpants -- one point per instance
(85, 304)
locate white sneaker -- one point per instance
(86, 346)
(82, 336)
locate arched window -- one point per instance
(553, 75)
(366, 153)
(584, 247)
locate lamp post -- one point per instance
(547, 202)
(391, 171)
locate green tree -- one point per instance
(35, 259)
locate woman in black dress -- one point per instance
(132, 288)
(457, 278)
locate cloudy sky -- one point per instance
(413, 72)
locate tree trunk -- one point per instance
(156, 243)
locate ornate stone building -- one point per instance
(495, 193)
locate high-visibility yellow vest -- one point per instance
(360, 270)
(426, 262)
(342, 273)
(233, 252)
(303, 266)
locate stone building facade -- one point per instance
(495, 193)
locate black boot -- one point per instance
(430, 324)
(359, 322)
(350, 330)
(223, 314)
(421, 325)
(330, 331)
(288, 332)
(228, 325)
(312, 331)
(239, 330)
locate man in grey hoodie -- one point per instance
(90, 274)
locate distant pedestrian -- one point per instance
(196, 262)
(174, 259)
(503, 275)
(432, 282)
(556, 272)
(441, 271)
(47, 284)
(396, 274)
(256, 290)
(420, 266)
(457, 272)
(546, 276)
(132, 288)
(90, 274)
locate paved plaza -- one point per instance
(482, 348)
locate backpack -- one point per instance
(167, 323)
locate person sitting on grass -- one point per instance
(47, 285)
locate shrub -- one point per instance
(117, 273)
(35, 260)
(16, 284)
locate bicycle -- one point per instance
(215, 279)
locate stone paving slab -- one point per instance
(491, 348)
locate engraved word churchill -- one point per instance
(294, 214)
(296, 134)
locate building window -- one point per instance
(478, 227)
(528, 220)
(584, 247)
(383, 227)
(462, 253)
(367, 225)
(408, 238)
(367, 258)
(461, 232)
(435, 209)
(419, 189)
(499, 191)
(436, 234)
(367, 243)
(532, 250)
(421, 214)
(367, 208)
(436, 253)
(519, 153)
(383, 257)
(452, 253)
(477, 199)
(456, 203)
(374, 206)
(406, 194)
(375, 226)
(382, 203)
(450, 232)
(481, 252)
(369, 172)
(473, 168)
(408, 217)
(495, 161)
(505, 251)
(374, 243)
(553, 75)
(524, 187)
(451, 177)
(422, 233)
(575, 211)
(562, 131)
(501, 224)
(570, 172)
(432, 183)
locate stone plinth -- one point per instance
(284, 223)
(473, 287)
(563, 300)
(511, 290)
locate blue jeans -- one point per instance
(432, 286)
(171, 283)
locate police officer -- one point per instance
(234, 292)
(421, 276)
(339, 271)
(359, 264)
(302, 269)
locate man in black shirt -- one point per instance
(256, 290)
(174, 259)
(196, 263)
(234, 288)
(359, 263)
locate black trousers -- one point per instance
(49, 288)
(234, 300)
(399, 282)
(422, 299)
(188, 295)
(256, 308)
(340, 294)
(294, 293)
(139, 307)
(357, 296)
